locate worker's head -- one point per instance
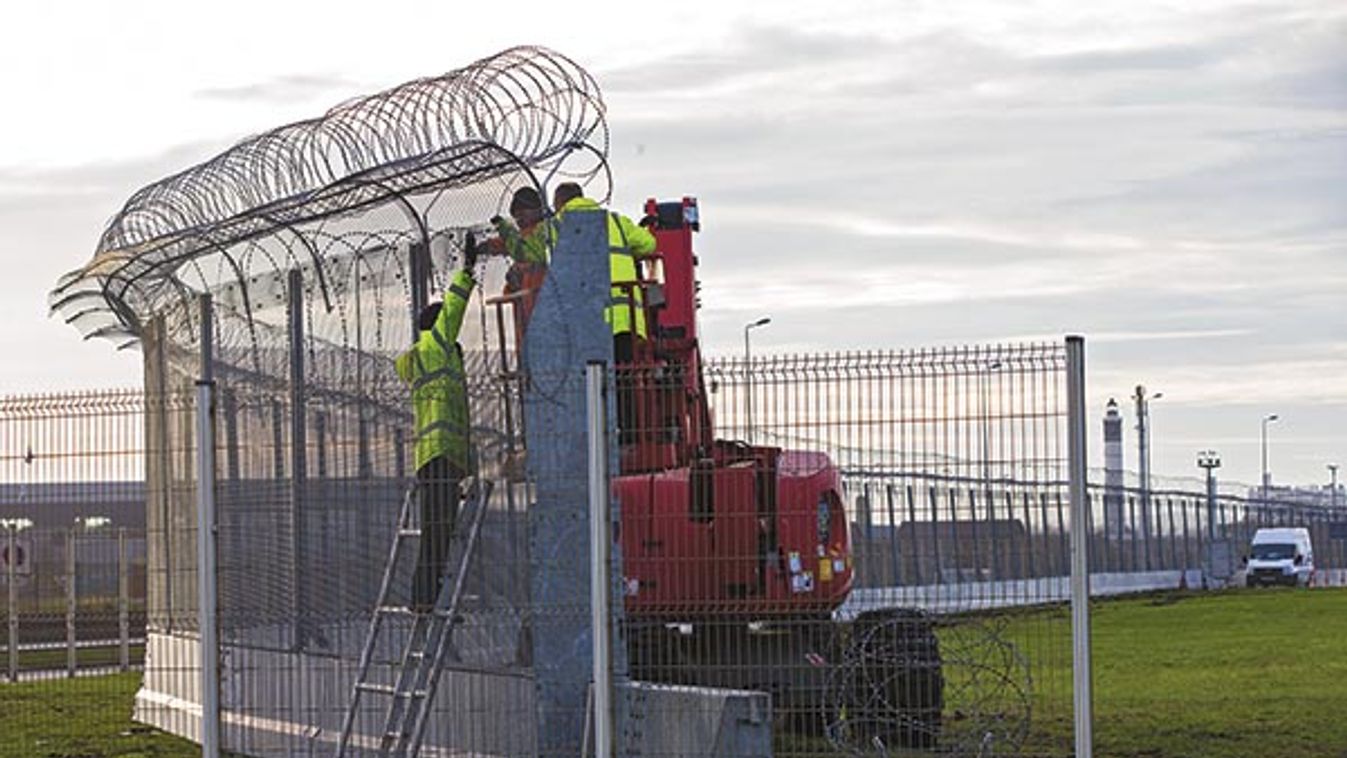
(526, 207)
(426, 320)
(564, 193)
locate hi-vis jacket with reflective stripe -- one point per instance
(625, 241)
(434, 369)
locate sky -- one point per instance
(1166, 179)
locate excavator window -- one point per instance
(702, 508)
(669, 215)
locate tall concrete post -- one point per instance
(566, 332)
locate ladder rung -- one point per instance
(402, 610)
(386, 689)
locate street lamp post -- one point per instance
(1333, 487)
(1210, 460)
(748, 376)
(1144, 459)
(1267, 478)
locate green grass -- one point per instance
(84, 657)
(88, 717)
(1225, 675)
(1234, 674)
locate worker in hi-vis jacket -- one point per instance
(433, 368)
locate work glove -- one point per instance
(514, 278)
(470, 252)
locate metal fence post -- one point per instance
(123, 604)
(1173, 555)
(229, 404)
(71, 599)
(596, 419)
(912, 526)
(935, 535)
(298, 457)
(1029, 534)
(12, 575)
(893, 537)
(1080, 535)
(418, 276)
(1132, 541)
(205, 540)
(1187, 552)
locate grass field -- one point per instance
(1228, 675)
(1245, 673)
(84, 657)
(88, 717)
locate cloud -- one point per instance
(1154, 58)
(1142, 336)
(755, 54)
(1307, 381)
(1165, 180)
(285, 89)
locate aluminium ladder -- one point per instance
(418, 671)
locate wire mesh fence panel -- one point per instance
(876, 540)
(73, 566)
(318, 451)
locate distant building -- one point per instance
(1314, 495)
(945, 552)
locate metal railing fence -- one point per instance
(950, 469)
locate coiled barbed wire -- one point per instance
(526, 108)
(900, 686)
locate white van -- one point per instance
(1280, 556)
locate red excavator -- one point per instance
(735, 556)
(713, 528)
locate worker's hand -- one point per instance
(514, 278)
(470, 252)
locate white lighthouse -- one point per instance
(1114, 496)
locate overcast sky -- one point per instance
(1166, 179)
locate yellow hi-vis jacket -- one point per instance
(626, 240)
(434, 370)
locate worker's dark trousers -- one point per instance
(624, 352)
(438, 483)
